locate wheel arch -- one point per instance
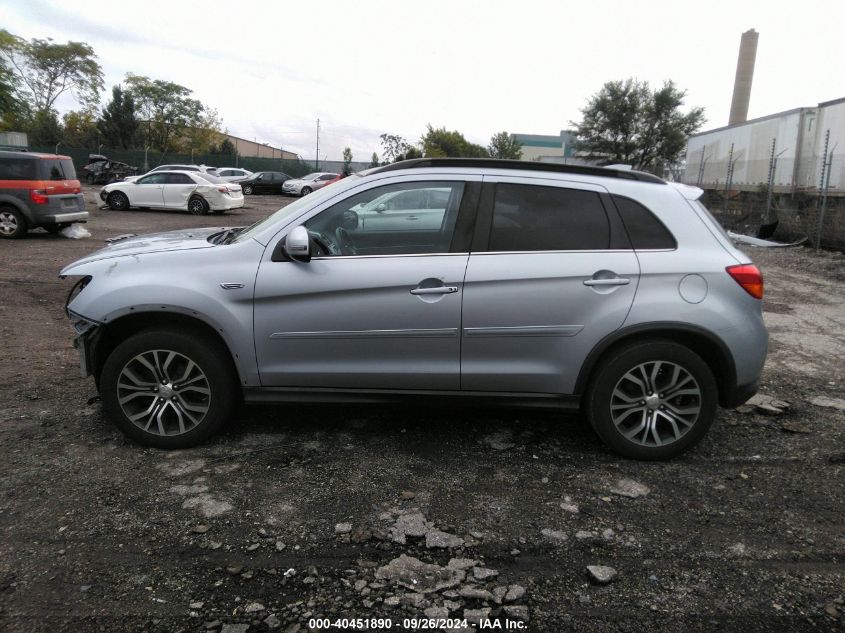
(11, 201)
(109, 335)
(706, 344)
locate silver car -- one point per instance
(305, 185)
(570, 287)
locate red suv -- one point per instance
(38, 190)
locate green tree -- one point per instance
(227, 147)
(374, 160)
(347, 159)
(118, 123)
(46, 70)
(503, 145)
(44, 128)
(628, 122)
(439, 142)
(13, 109)
(167, 112)
(80, 129)
(394, 148)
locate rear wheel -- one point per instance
(12, 223)
(305, 191)
(117, 201)
(168, 390)
(652, 400)
(247, 190)
(197, 206)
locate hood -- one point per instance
(181, 240)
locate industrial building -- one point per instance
(549, 148)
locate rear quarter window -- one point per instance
(56, 169)
(644, 229)
(17, 169)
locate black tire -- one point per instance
(209, 357)
(611, 386)
(305, 191)
(117, 201)
(247, 189)
(197, 206)
(12, 223)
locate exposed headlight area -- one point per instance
(75, 290)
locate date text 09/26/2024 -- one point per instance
(413, 624)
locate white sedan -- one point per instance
(232, 174)
(197, 193)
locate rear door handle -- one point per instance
(616, 281)
(437, 290)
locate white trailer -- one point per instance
(799, 137)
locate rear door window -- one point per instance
(538, 218)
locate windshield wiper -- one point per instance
(227, 236)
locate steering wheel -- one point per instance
(344, 242)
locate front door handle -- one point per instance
(437, 290)
(616, 281)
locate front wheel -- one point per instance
(652, 400)
(305, 191)
(247, 189)
(117, 201)
(168, 390)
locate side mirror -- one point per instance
(381, 207)
(298, 244)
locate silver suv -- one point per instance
(514, 282)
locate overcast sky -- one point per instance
(366, 67)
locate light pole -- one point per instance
(57, 147)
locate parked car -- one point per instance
(101, 170)
(305, 185)
(195, 192)
(38, 190)
(264, 182)
(557, 285)
(232, 174)
(203, 169)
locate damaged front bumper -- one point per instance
(85, 343)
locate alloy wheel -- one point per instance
(163, 392)
(656, 403)
(8, 223)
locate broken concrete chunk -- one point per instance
(461, 563)
(558, 536)
(436, 613)
(832, 403)
(343, 528)
(475, 616)
(473, 593)
(601, 574)
(515, 592)
(483, 573)
(421, 577)
(630, 488)
(436, 538)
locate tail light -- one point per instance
(38, 196)
(223, 189)
(747, 276)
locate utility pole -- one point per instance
(317, 159)
(701, 166)
(822, 191)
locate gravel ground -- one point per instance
(303, 512)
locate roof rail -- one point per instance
(496, 163)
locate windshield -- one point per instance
(311, 176)
(299, 205)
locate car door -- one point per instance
(276, 181)
(177, 189)
(147, 191)
(551, 274)
(358, 316)
(261, 182)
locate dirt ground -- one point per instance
(296, 513)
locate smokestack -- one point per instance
(744, 75)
